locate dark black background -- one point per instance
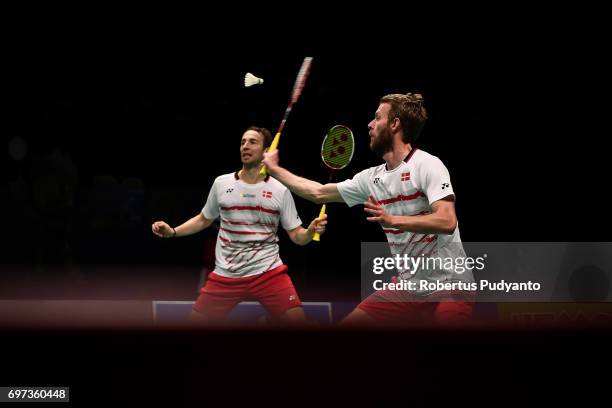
(514, 112)
(509, 116)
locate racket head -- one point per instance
(300, 81)
(338, 147)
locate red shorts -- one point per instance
(397, 307)
(273, 289)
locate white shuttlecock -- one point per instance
(250, 80)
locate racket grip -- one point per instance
(317, 236)
(264, 171)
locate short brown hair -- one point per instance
(267, 136)
(410, 111)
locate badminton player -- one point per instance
(411, 196)
(247, 262)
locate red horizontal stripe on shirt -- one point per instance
(232, 241)
(249, 208)
(429, 238)
(248, 223)
(250, 243)
(401, 197)
(247, 232)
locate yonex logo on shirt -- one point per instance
(377, 180)
(445, 185)
(229, 190)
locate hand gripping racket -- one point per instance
(336, 153)
(300, 81)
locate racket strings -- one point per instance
(337, 149)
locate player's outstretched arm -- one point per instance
(442, 220)
(189, 227)
(303, 236)
(303, 187)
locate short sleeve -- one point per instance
(289, 217)
(211, 208)
(355, 191)
(434, 180)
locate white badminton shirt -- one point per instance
(249, 214)
(411, 189)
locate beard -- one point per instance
(252, 161)
(383, 143)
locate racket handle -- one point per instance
(264, 171)
(317, 236)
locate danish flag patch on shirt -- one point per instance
(405, 176)
(266, 194)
